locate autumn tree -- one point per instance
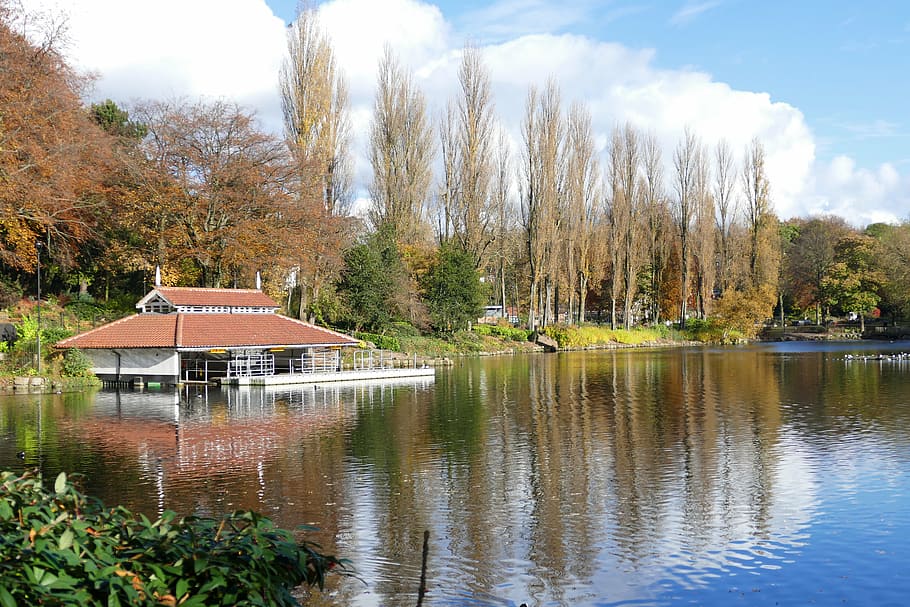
(224, 184)
(810, 257)
(853, 282)
(504, 212)
(53, 157)
(894, 248)
(314, 101)
(401, 153)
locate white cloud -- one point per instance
(860, 195)
(233, 49)
(155, 50)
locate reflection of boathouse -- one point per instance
(230, 335)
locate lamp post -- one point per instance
(38, 332)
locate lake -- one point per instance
(771, 474)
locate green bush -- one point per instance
(76, 364)
(513, 333)
(383, 342)
(59, 547)
(583, 336)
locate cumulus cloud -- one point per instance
(860, 195)
(233, 49)
(155, 50)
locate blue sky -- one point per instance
(823, 85)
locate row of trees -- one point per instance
(550, 225)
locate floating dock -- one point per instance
(331, 376)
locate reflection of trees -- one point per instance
(539, 477)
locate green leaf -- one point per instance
(60, 483)
(6, 599)
(66, 539)
(6, 511)
(182, 585)
(48, 579)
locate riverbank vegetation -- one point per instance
(542, 228)
(61, 547)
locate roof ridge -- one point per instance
(231, 289)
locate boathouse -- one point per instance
(183, 334)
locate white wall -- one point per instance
(145, 362)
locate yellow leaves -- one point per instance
(18, 239)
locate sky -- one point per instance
(823, 85)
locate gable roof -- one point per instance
(193, 296)
(203, 331)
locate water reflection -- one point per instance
(769, 473)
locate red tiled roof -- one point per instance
(206, 331)
(137, 331)
(191, 296)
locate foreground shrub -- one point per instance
(62, 548)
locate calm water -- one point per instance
(765, 475)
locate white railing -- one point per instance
(327, 361)
(251, 365)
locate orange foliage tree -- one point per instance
(53, 157)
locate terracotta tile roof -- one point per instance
(191, 296)
(206, 331)
(137, 331)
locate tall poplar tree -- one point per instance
(314, 101)
(401, 153)
(686, 160)
(470, 143)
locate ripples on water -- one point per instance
(759, 476)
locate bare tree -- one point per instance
(502, 200)
(582, 200)
(543, 184)
(758, 212)
(401, 153)
(726, 207)
(624, 205)
(657, 218)
(472, 213)
(686, 159)
(703, 246)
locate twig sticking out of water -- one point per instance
(423, 568)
